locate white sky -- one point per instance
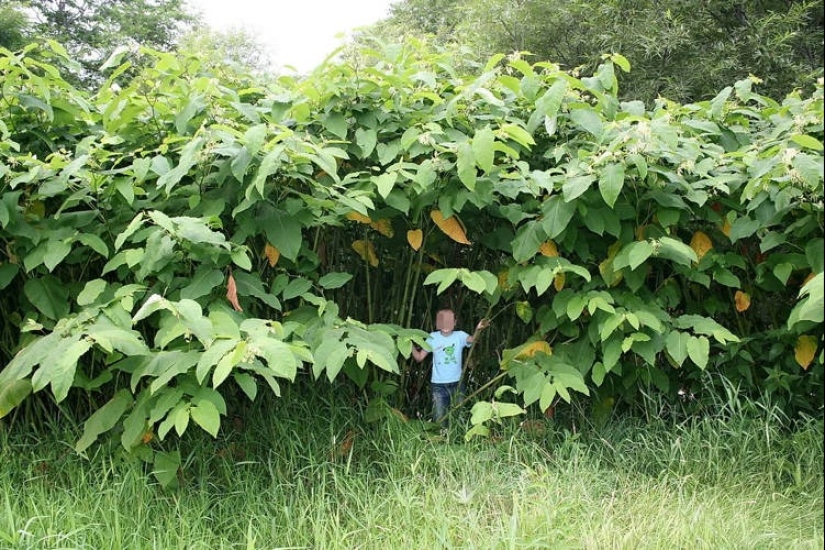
(300, 33)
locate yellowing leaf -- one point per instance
(742, 300)
(524, 311)
(726, 228)
(366, 251)
(358, 217)
(558, 282)
(36, 209)
(450, 227)
(549, 249)
(383, 226)
(272, 254)
(805, 350)
(640, 232)
(504, 280)
(810, 276)
(533, 348)
(415, 237)
(611, 276)
(700, 243)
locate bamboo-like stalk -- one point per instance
(367, 275)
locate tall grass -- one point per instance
(283, 475)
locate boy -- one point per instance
(448, 347)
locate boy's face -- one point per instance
(445, 320)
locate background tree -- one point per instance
(91, 29)
(13, 26)
(683, 50)
(234, 51)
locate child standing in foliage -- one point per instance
(447, 346)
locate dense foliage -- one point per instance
(187, 236)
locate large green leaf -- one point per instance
(444, 278)
(366, 140)
(676, 345)
(698, 349)
(112, 337)
(633, 255)
(104, 419)
(548, 105)
(385, 182)
(49, 295)
(527, 241)
(330, 356)
(483, 150)
(557, 215)
(212, 356)
(7, 274)
(810, 307)
(159, 253)
(12, 393)
(207, 417)
(611, 182)
(283, 231)
(575, 186)
(337, 124)
(166, 466)
(205, 279)
(334, 280)
(278, 356)
(677, 251)
(466, 165)
(588, 120)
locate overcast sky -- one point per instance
(296, 32)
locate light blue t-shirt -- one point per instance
(447, 355)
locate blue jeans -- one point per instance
(443, 396)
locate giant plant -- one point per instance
(181, 233)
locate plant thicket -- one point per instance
(182, 237)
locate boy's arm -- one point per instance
(484, 323)
(419, 353)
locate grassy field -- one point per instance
(312, 476)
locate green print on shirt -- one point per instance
(449, 355)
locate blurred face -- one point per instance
(445, 320)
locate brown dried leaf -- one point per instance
(232, 293)
(415, 237)
(805, 350)
(450, 227)
(272, 254)
(343, 449)
(742, 301)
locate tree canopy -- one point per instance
(684, 51)
(90, 30)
